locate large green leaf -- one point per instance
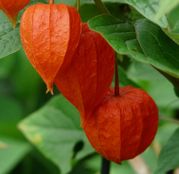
(11, 152)
(173, 29)
(151, 8)
(121, 36)
(165, 6)
(150, 45)
(162, 12)
(9, 37)
(169, 156)
(161, 51)
(55, 130)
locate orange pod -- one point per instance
(89, 76)
(12, 7)
(122, 127)
(50, 35)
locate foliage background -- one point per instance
(41, 133)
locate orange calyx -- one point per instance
(122, 127)
(48, 44)
(90, 73)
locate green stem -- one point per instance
(78, 5)
(51, 1)
(101, 7)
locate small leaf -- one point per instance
(54, 130)
(169, 156)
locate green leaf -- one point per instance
(55, 130)
(165, 6)
(11, 153)
(70, 2)
(173, 29)
(148, 78)
(148, 8)
(121, 36)
(169, 156)
(88, 11)
(161, 51)
(162, 12)
(9, 37)
(151, 45)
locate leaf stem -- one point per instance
(116, 90)
(101, 7)
(105, 166)
(51, 1)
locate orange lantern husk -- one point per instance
(88, 77)
(122, 127)
(50, 34)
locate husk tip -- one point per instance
(50, 89)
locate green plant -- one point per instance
(145, 36)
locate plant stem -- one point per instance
(78, 5)
(105, 166)
(116, 90)
(51, 1)
(101, 7)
